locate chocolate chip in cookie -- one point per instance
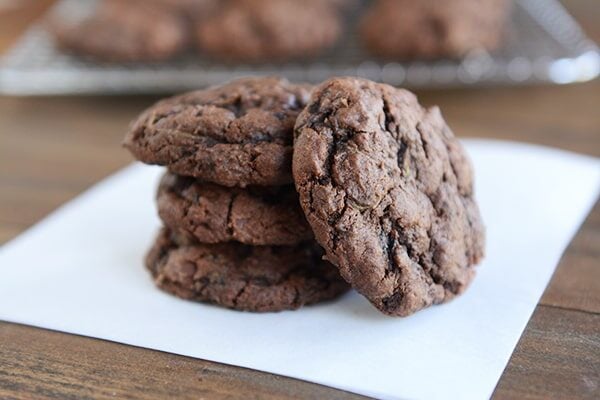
(236, 134)
(388, 191)
(248, 278)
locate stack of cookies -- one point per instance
(268, 179)
(234, 233)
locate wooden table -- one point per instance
(52, 149)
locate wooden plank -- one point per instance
(42, 364)
(558, 116)
(8, 232)
(22, 205)
(558, 358)
(576, 282)
(74, 141)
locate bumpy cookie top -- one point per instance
(251, 278)
(268, 30)
(213, 214)
(236, 134)
(388, 191)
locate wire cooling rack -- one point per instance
(543, 44)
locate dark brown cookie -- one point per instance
(341, 4)
(192, 11)
(237, 134)
(244, 277)
(388, 191)
(193, 7)
(269, 30)
(426, 29)
(215, 214)
(124, 31)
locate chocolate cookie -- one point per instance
(237, 134)
(269, 30)
(243, 277)
(193, 11)
(388, 191)
(190, 6)
(214, 214)
(124, 31)
(426, 29)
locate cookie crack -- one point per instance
(186, 211)
(154, 119)
(296, 301)
(204, 282)
(396, 236)
(387, 115)
(424, 143)
(401, 159)
(237, 296)
(230, 230)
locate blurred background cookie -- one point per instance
(427, 29)
(120, 31)
(269, 30)
(133, 30)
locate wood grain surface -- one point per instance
(52, 149)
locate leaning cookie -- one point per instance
(388, 191)
(215, 214)
(236, 134)
(243, 277)
(269, 30)
(426, 29)
(123, 31)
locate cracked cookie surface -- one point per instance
(388, 191)
(236, 134)
(246, 278)
(214, 214)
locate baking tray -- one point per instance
(543, 44)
